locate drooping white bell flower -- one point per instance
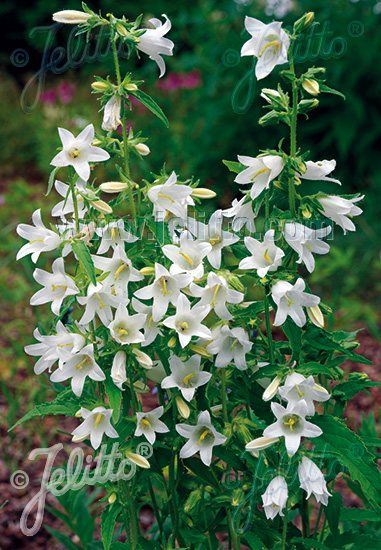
(269, 43)
(201, 438)
(125, 328)
(98, 301)
(290, 300)
(231, 345)
(188, 257)
(312, 481)
(72, 17)
(111, 114)
(164, 290)
(45, 349)
(318, 171)
(148, 424)
(96, 423)
(187, 376)
(265, 255)
(297, 387)
(118, 369)
(259, 444)
(150, 329)
(260, 172)
(305, 241)
(113, 234)
(213, 234)
(65, 207)
(242, 214)
(40, 239)
(57, 286)
(120, 269)
(170, 197)
(291, 423)
(78, 368)
(188, 322)
(78, 151)
(275, 497)
(153, 43)
(215, 294)
(339, 210)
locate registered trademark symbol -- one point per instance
(355, 29)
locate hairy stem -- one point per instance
(268, 326)
(223, 395)
(293, 126)
(284, 533)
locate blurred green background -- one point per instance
(213, 105)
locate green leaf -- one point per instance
(63, 539)
(108, 521)
(294, 335)
(51, 179)
(114, 396)
(352, 453)
(358, 514)
(151, 105)
(350, 388)
(332, 512)
(233, 166)
(84, 256)
(65, 403)
(254, 542)
(311, 544)
(327, 90)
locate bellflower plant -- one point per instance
(247, 433)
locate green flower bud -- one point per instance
(304, 23)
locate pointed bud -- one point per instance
(235, 283)
(311, 86)
(102, 207)
(72, 17)
(304, 23)
(113, 187)
(202, 193)
(306, 212)
(138, 459)
(147, 271)
(200, 351)
(112, 498)
(78, 414)
(307, 105)
(100, 86)
(270, 118)
(182, 407)
(315, 316)
(120, 29)
(272, 389)
(143, 149)
(216, 409)
(96, 142)
(142, 358)
(269, 94)
(172, 342)
(260, 443)
(318, 387)
(130, 87)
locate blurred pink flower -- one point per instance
(177, 81)
(65, 91)
(48, 97)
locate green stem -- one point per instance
(223, 395)
(133, 394)
(293, 126)
(268, 327)
(155, 507)
(233, 534)
(126, 151)
(316, 530)
(284, 534)
(75, 204)
(126, 516)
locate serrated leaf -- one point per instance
(151, 105)
(114, 396)
(358, 514)
(351, 451)
(350, 388)
(65, 403)
(254, 542)
(327, 90)
(63, 539)
(83, 254)
(233, 166)
(108, 520)
(294, 335)
(332, 512)
(51, 179)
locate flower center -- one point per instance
(162, 284)
(56, 287)
(123, 265)
(205, 434)
(74, 152)
(101, 304)
(275, 43)
(300, 393)
(216, 239)
(262, 171)
(267, 257)
(145, 423)
(121, 330)
(186, 257)
(216, 289)
(98, 419)
(289, 303)
(114, 233)
(188, 380)
(291, 422)
(166, 197)
(84, 362)
(184, 326)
